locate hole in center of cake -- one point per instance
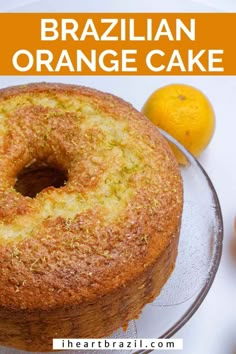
(32, 179)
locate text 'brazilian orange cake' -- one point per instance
(90, 212)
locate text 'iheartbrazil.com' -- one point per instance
(117, 44)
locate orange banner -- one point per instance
(117, 44)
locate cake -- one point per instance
(90, 209)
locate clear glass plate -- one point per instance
(198, 259)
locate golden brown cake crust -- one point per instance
(96, 250)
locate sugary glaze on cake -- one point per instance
(83, 259)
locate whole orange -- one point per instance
(185, 113)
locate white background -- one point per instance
(212, 330)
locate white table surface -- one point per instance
(212, 330)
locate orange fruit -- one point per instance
(185, 113)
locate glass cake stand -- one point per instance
(198, 259)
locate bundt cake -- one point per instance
(90, 213)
